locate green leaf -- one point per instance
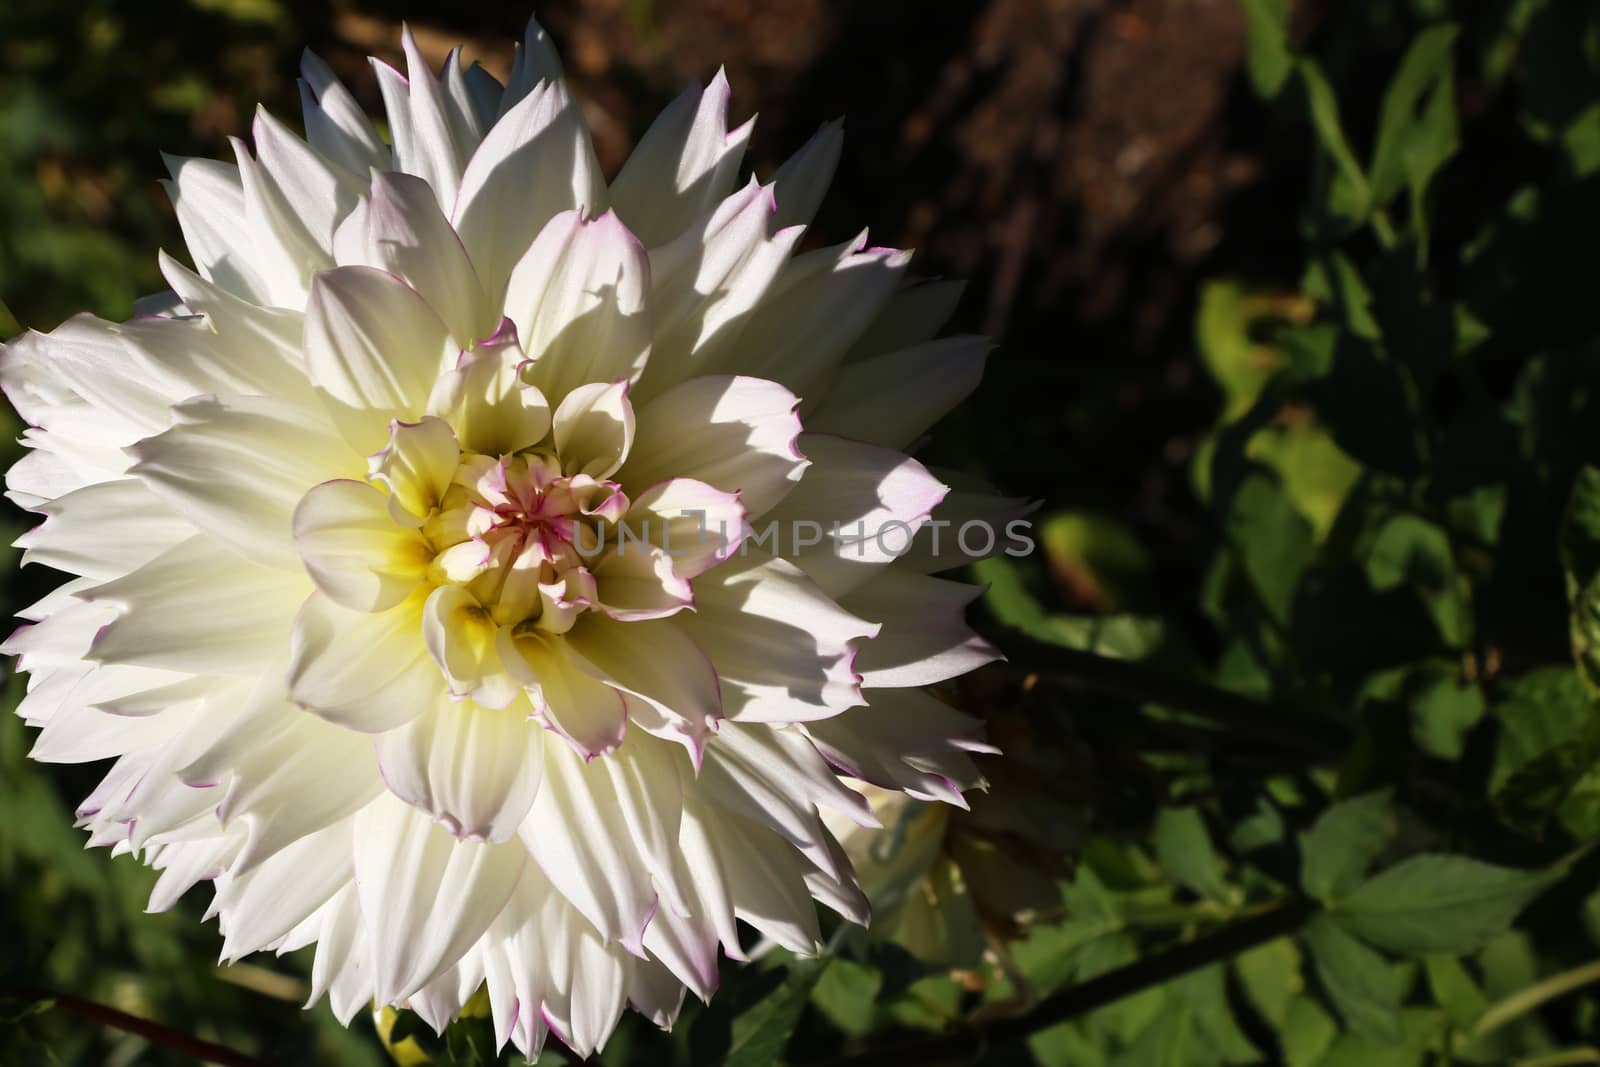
(1184, 848)
(1269, 60)
(1270, 974)
(1340, 847)
(1547, 751)
(761, 1032)
(1205, 993)
(1306, 1033)
(1455, 991)
(1435, 903)
(1417, 124)
(847, 993)
(1580, 555)
(1350, 196)
(1273, 539)
(1364, 987)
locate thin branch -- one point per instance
(1523, 1001)
(177, 1040)
(1287, 727)
(1223, 944)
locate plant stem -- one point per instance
(1277, 921)
(1285, 727)
(177, 1040)
(1525, 1000)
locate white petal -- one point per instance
(814, 311)
(318, 194)
(697, 525)
(682, 167)
(474, 769)
(591, 716)
(494, 413)
(335, 124)
(353, 548)
(431, 149)
(535, 163)
(263, 905)
(776, 777)
(804, 178)
(860, 507)
(241, 351)
(635, 581)
(913, 315)
(708, 282)
(906, 739)
(783, 650)
(578, 836)
(209, 200)
(594, 428)
(735, 433)
(654, 661)
(375, 348)
(417, 467)
(237, 466)
(579, 298)
(536, 61)
(463, 640)
(103, 530)
(198, 607)
(763, 876)
(425, 896)
(894, 398)
(369, 672)
(925, 636)
(400, 229)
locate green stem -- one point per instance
(177, 1040)
(1526, 1000)
(1276, 921)
(1285, 727)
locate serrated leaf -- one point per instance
(1183, 847)
(1435, 903)
(1364, 987)
(1340, 847)
(761, 1032)
(1205, 993)
(1270, 974)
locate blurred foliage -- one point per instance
(1399, 547)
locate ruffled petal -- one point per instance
(367, 671)
(737, 434)
(236, 467)
(594, 428)
(353, 548)
(535, 163)
(580, 300)
(857, 509)
(682, 167)
(374, 347)
(591, 716)
(198, 607)
(474, 769)
(924, 637)
(400, 229)
(425, 896)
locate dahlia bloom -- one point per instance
(353, 604)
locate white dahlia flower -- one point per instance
(349, 610)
